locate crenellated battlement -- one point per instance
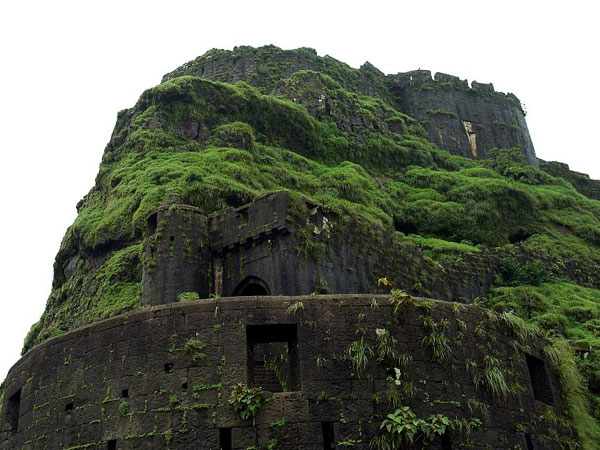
(423, 79)
(465, 120)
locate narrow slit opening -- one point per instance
(328, 438)
(446, 443)
(225, 438)
(171, 245)
(152, 224)
(529, 442)
(14, 411)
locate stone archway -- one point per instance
(251, 286)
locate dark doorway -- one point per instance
(273, 357)
(529, 442)
(251, 286)
(539, 380)
(328, 438)
(14, 411)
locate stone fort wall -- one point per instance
(467, 121)
(268, 247)
(162, 377)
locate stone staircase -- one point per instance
(266, 378)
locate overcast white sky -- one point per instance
(67, 67)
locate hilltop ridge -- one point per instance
(465, 120)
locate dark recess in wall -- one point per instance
(539, 379)
(14, 409)
(262, 341)
(225, 438)
(328, 437)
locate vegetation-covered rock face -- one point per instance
(217, 138)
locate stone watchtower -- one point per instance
(256, 249)
(249, 250)
(176, 255)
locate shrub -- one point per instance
(246, 400)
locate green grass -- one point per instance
(576, 396)
(358, 354)
(563, 309)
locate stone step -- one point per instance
(266, 379)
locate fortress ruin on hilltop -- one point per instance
(263, 326)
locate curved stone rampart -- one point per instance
(468, 121)
(332, 367)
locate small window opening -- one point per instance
(69, 408)
(171, 245)
(225, 438)
(152, 224)
(242, 217)
(273, 357)
(405, 226)
(529, 442)
(111, 445)
(184, 386)
(328, 438)
(539, 380)
(446, 443)
(312, 208)
(14, 410)
(125, 393)
(251, 286)
(169, 367)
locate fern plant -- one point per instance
(358, 353)
(437, 340)
(492, 378)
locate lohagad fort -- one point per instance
(283, 252)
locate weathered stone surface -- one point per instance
(465, 121)
(170, 396)
(580, 181)
(277, 245)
